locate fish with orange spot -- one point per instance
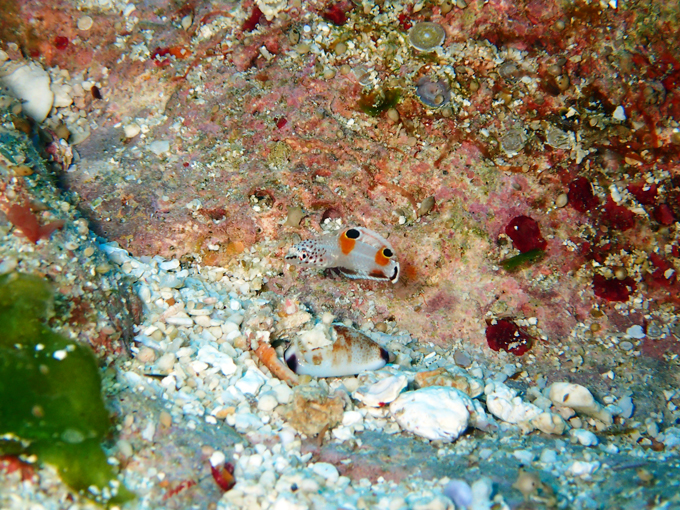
(355, 252)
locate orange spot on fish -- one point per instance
(380, 258)
(346, 244)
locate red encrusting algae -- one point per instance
(613, 289)
(22, 217)
(507, 336)
(525, 234)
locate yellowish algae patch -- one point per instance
(51, 405)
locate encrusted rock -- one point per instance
(313, 410)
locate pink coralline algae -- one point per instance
(525, 234)
(506, 335)
(613, 289)
(581, 195)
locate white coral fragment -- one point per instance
(271, 8)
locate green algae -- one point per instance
(50, 393)
(378, 101)
(527, 258)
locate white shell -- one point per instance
(356, 252)
(434, 412)
(334, 351)
(382, 392)
(580, 400)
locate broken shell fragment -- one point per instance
(382, 392)
(580, 400)
(334, 351)
(437, 413)
(426, 36)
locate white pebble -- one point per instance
(619, 113)
(582, 468)
(217, 459)
(267, 401)
(584, 437)
(131, 130)
(548, 456)
(251, 382)
(169, 265)
(327, 471)
(524, 456)
(166, 362)
(636, 332)
(283, 393)
(159, 147)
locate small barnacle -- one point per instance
(654, 330)
(513, 141)
(557, 138)
(434, 94)
(426, 36)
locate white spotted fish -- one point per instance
(341, 351)
(355, 252)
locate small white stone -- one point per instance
(584, 437)
(217, 459)
(636, 332)
(327, 471)
(283, 393)
(524, 456)
(267, 401)
(251, 382)
(627, 407)
(131, 130)
(187, 322)
(352, 418)
(482, 490)
(550, 423)
(166, 362)
(60, 354)
(619, 114)
(159, 147)
(582, 468)
(548, 456)
(169, 265)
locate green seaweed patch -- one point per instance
(51, 404)
(378, 101)
(523, 259)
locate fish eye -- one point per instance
(353, 233)
(387, 252)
